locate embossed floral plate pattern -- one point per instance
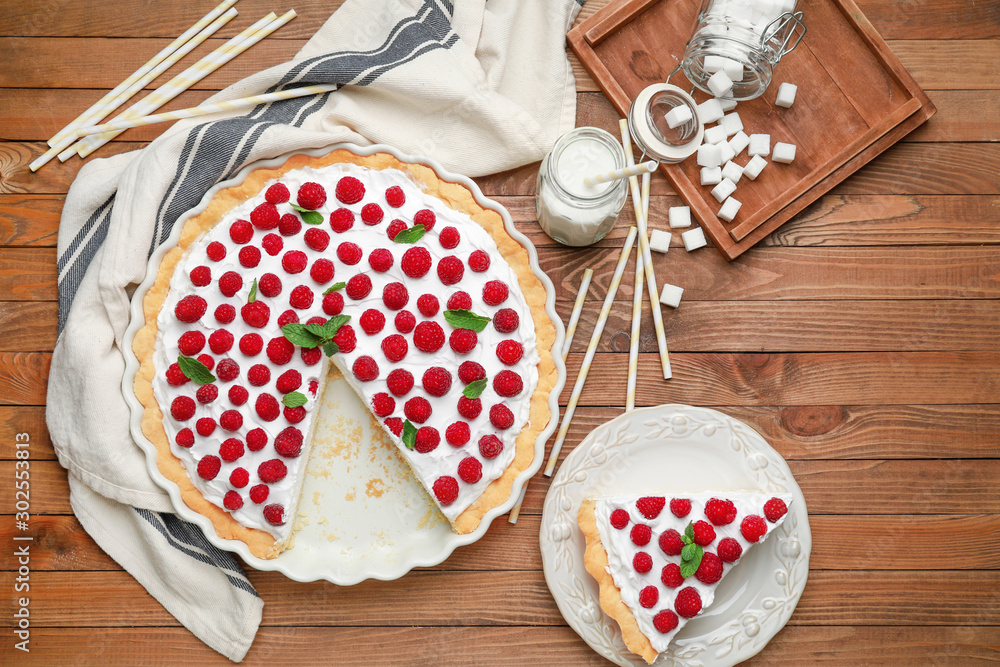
(671, 449)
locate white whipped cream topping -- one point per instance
(429, 466)
(621, 550)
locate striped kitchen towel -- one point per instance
(479, 86)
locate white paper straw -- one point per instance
(633, 347)
(516, 512)
(574, 317)
(643, 168)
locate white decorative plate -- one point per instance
(362, 514)
(668, 449)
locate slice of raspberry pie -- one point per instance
(400, 279)
(658, 559)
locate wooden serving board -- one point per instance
(854, 100)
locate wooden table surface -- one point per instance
(862, 340)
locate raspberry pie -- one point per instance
(418, 296)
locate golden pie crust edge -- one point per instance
(595, 558)
(456, 196)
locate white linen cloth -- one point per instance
(479, 86)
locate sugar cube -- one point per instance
(709, 155)
(760, 144)
(739, 141)
(732, 122)
(694, 239)
(783, 152)
(729, 209)
(723, 190)
(727, 103)
(670, 295)
(659, 240)
(711, 175)
(679, 116)
(679, 216)
(732, 171)
(720, 84)
(715, 135)
(786, 95)
(733, 69)
(715, 64)
(754, 167)
(710, 111)
(727, 152)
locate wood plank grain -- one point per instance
(55, 178)
(29, 220)
(28, 274)
(28, 326)
(30, 420)
(934, 63)
(23, 376)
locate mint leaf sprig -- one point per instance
(309, 217)
(461, 318)
(474, 389)
(410, 234)
(194, 370)
(692, 552)
(409, 434)
(316, 335)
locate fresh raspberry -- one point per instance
(271, 471)
(289, 225)
(416, 262)
(479, 261)
(509, 352)
(265, 216)
(507, 384)
(729, 550)
(249, 256)
(312, 356)
(774, 509)
(665, 621)
(436, 381)
(470, 470)
(349, 253)
(232, 501)
(450, 270)
(687, 603)
(312, 196)
(341, 220)
(394, 196)
(365, 368)
(427, 439)
(651, 506)
(680, 507)
(506, 320)
(710, 569)
(417, 410)
(405, 321)
(383, 404)
(225, 314)
(275, 514)
(221, 341)
(399, 382)
(269, 285)
(333, 303)
(238, 396)
(619, 519)
(207, 360)
(671, 543)
(642, 562)
(301, 298)
(251, 344)
(494, 293)
(294, 415)
(428, 305)
(359, 286)
(231, 449)
(490, 446)
(449, 238)
(395, 425)
(446, 489)
(641, 534)
(288, 442)
(259, 493)
(469, 407)
(175, 376)
(241, 232)
(216, 251)
(239, 478)
(720, 512)
(277, 194)
(395, 296)
(428, 337)
(316, 239)
(501, 417)
(380, 260)
(182, 408)
(230, 283)
(191, 343)
(209, 467)
(207, 393)
(457, 434)
(313, 386)
(425, 217)
(349, 190)
(294, 261)
(272, 244)
(459, 301)
(288, 381)
(190, 308)
(256, 314)
(231, 420)
(256, 439)
(753, 528)
(372, 214)
(372, 321)
(395, 227)
(649, 596)
(704, 534)
(670, 575)
(201, 276)
(470, 371)
(394, 347)
(346, 339)
(267, 407)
